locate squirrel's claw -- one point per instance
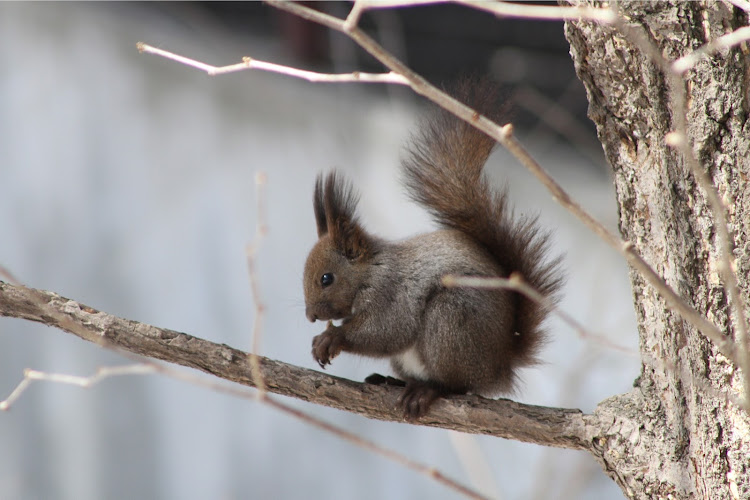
(327, 345)
(320, 350)
(417, 399)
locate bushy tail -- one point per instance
(443, 172)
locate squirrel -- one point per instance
(389, 295)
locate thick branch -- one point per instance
(564, 428)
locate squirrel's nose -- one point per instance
(311, 316)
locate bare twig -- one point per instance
(516, 283)
(5, 273)
(691, 315)
(359, 7)
(251, 251)
(250, 63)
(499, 9)
(30, 376)
(561, 120)
(377, 449)
(685, 63)
(343, 434)
(542, 12)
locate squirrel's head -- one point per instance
(338, 265)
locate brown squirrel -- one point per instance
(389, 295)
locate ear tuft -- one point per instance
(339, 203)
(319, 207)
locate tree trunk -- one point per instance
(674, 435)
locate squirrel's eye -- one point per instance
(326, 279)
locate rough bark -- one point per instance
(564, 428)
(675, 435)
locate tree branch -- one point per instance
(558, 427)
(251, 63)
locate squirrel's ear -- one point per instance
(347, 234)
(319, 207)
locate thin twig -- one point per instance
(30, 376)
(5, 273)
(358, 9)
(357, 440)
(625, 247)
(542, 12)
(499, 9)
(516, 283)
(250, 63)
(561, 120)
(309, 419)
(684, 63)
(251, 252)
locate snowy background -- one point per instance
(127, 183)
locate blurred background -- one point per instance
(127, 182)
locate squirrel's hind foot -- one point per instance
(418, 397)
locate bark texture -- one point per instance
(675, 435)
(560, 427)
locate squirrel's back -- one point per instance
(443, 172)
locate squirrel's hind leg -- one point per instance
(418, 397)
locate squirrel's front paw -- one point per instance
(327, 346)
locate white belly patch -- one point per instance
(411, 364)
